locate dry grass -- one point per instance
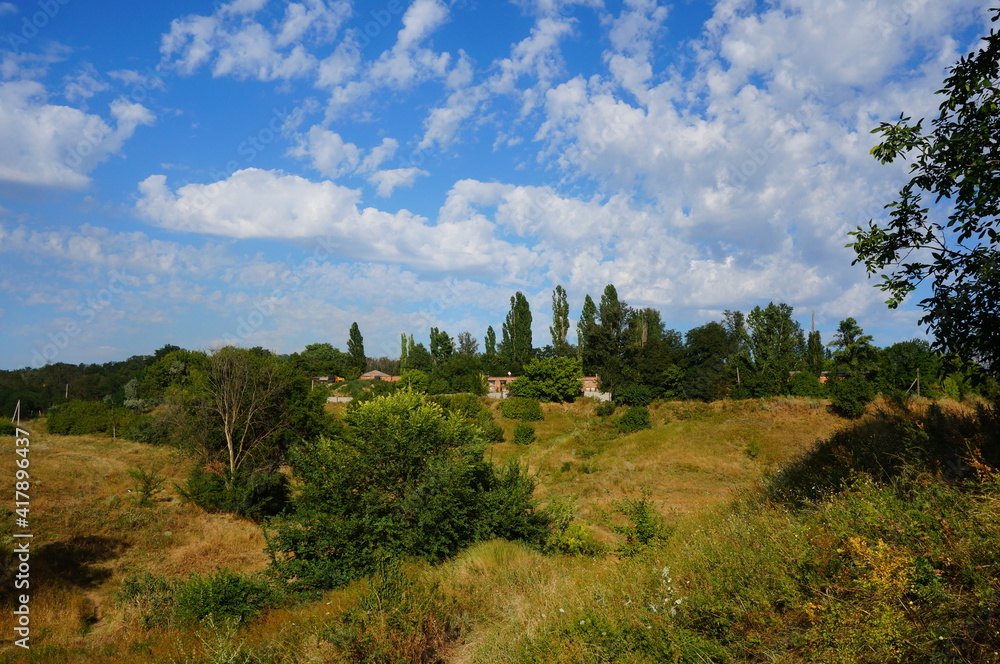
(697, 456)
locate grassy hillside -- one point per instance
(895, 562)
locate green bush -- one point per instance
(524, 433)
(645, 528)
(224, 596)
(634, 419)
(402, 480)
(521, 408)
(147, 482)
(606, 408)
(151, 597)
(851, 396)
(396, 621)
(805, 384)
(148, 429)
(550, 379)
(259, 495)
(633, 394)
(76, 418)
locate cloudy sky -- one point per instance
(266, 172)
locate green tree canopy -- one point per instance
(356, 349)
(854, 350)
(550, 379)
(403, 478)
(516, 349)
(950, 247)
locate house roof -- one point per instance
(375, 374)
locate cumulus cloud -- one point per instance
(388, 180)
(236, 44)
(46, 144)
(255, 203)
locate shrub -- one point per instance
(575, 539)
(152, 597)
(75, 418)
(524, 433)
(521, 408)
(634, 395)
(634, 419)
(606, 408)
(398, 621)
(148, 429)
(224, 596)
(805, 384)
(259, 495)
(645, 528)
(852, 395)
(403, 479)
(147, 483)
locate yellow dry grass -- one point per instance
(696, 456)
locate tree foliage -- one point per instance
(402, 479)
(560, 322)
(356, 349)
(515, 348)
(550, 379)
(950, 247)
(854, 350)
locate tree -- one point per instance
(900, 363)
(815, 355)
(244, 393)
(442, 345)
(776, 345)
(854, 350)
(467, 344)
(490, 355)
(356, 349)
(706, 350)
(402, 479)
(552, 379)
(586, 329)
(957, 159)
(560, 322)
(516, 349)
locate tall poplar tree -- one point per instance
(560, 321)
(356, 348)
(516, 349)
(586, 329)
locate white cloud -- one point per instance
(254, 203)
(331, 155)
(44, 144)
(7, 8)
(239, 46)
(84, 84)
(387, 181)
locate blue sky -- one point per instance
(265, 172)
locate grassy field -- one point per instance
(498, 601)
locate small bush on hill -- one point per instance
(633, 394)
(257, 496)
(852, 395)
(397, 620)
(524, 433)
(646, 527)
(805, 384)
(521, 408)
(606, 408)
(224, 596)
(634, 419)
(76, 418)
